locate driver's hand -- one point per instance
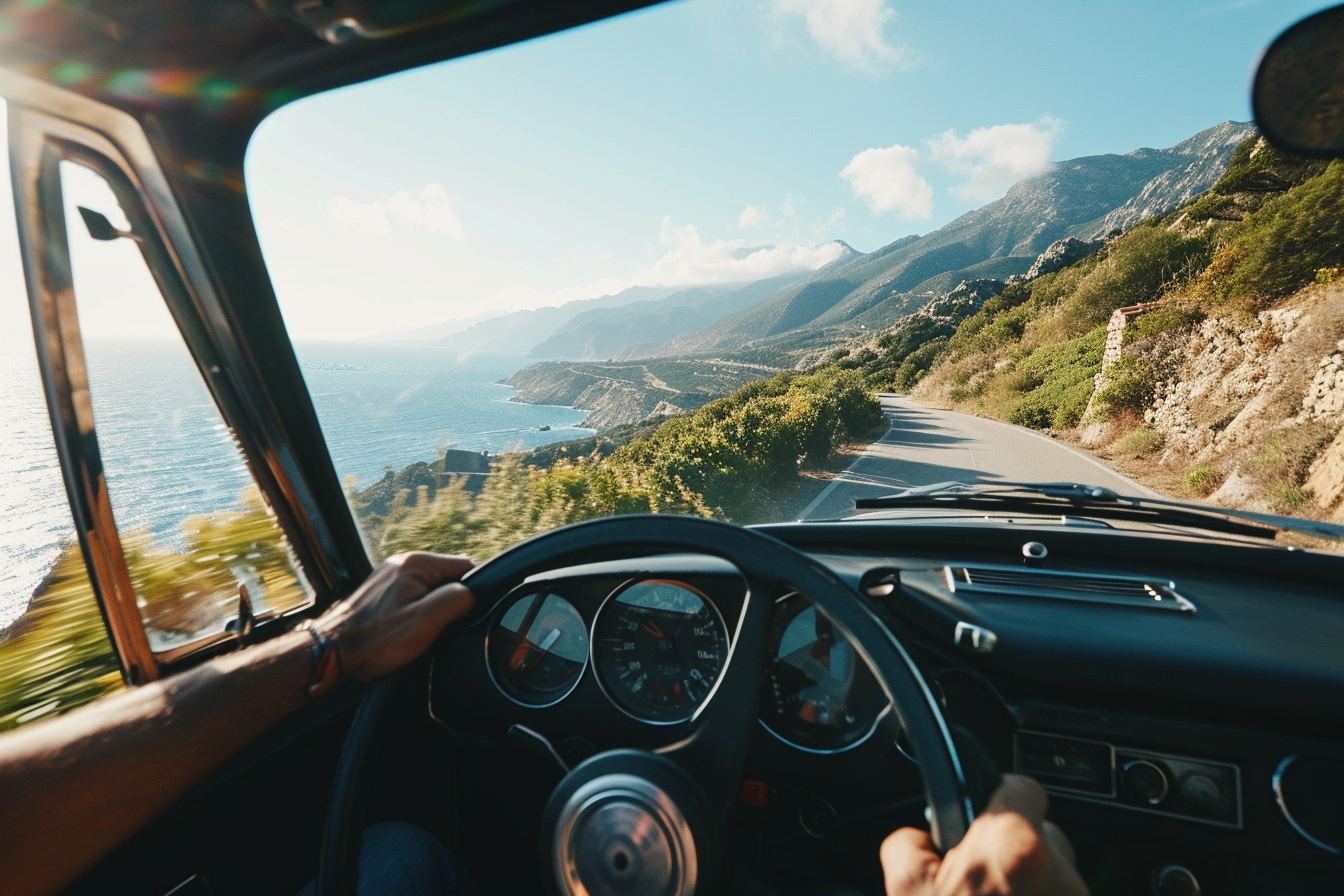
(1010, 848)
(397, 613)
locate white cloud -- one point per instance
(431, 209)
(687, 260)
(851, 30)
(760, 217)
(886, 180)
(751, 218)
(690, 260)
(365, 216)
(995, 158)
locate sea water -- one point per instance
(389, 405)
(168, 455)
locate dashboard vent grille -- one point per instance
(1127, 591)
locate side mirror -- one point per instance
(100, 228)
(1298, 91)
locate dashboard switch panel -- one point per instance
(1146, 781)
(1069, 764)
(1193, 788)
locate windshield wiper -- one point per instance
(1096, 501)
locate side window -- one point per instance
(194, 528)
(54, 650)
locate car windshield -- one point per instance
(757, 261)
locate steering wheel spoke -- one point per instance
(714, 751)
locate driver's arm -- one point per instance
(1009, 849)
(72, 789)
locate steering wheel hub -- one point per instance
(620, 835)
(629, 822)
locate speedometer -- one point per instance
(659, 646)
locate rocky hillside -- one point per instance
(1199, 163)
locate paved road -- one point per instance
(925, 445)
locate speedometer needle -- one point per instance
(652, 628)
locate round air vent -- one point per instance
(1310, 791)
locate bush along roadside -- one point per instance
(731, 459)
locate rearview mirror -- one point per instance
(100, 228)
(1298, 91)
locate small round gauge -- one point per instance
(819, 694)
(659, 646)
(537, 648)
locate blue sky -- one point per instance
(709, 141)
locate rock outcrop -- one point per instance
(1261, 401)
(968, 298)
(1057, 256)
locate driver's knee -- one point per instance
(401, 859)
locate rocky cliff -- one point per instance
(617, 394)
(1258, 404)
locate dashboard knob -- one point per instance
(1202, 791)
(1145, 782)
(1175, 880)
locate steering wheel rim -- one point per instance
(715, 747)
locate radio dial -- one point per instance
(1145, 782)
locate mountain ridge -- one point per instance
(1084, 197)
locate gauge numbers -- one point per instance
(659, 646)
(819, 694)
(537, 648)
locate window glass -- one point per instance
(193, 525)
(54, 650)
(837, 257)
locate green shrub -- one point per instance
(1164, 320)
(1202, 480)
(1279, 248)
(1025, 380)
(1286, 498)
(915, 366)
(726, 460)
(1033, 416)
(1142, 441)
(1139, 267)
(1065, 373)
(1130, 386)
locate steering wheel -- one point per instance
(638, 822)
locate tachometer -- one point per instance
(819, 694)
(537, 648)
(659, 646)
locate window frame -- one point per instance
(48, 126)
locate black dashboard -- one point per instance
(1177, 697)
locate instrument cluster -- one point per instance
(657, 646)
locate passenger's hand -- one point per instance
(397, 613)
(1009, 849)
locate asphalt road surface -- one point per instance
(923, 446)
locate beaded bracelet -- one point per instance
(328, 669)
